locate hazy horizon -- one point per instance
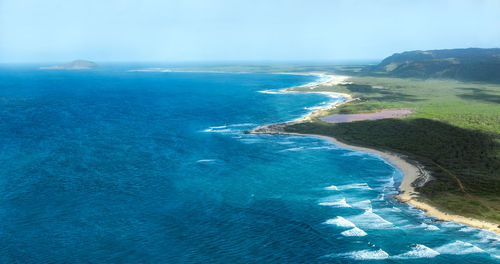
(238, 31)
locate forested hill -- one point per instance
(471, 64)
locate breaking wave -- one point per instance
(340, 222)
(418, 251)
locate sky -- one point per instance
(240, 30)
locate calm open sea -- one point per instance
(111, 166)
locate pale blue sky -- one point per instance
(232, 30)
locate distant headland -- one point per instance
(472, 64)
(74, 65)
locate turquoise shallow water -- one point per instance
(114, 166)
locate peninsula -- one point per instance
(444, 134)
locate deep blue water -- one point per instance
(111, 166)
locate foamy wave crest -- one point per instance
(488, 237)
(366, 204)
(468, 229)
(206, 161)
(271, 92)
(228, 128)
(322, 147)
(428, 227)
(292, 149)
(451, 224)
(459, 248)
(340, 203)
(354, 232)
(366, 254)
(369, 219)
(314, 108)
(332, 188)
(361, 186)
(243, 125)
(217, 129)
(389, 182)
(418, 251)
(355, 153)
(340, 222)
(432, 228)
(250, 140)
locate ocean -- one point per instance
(114, 166)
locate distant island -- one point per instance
(472, 64)
(74, 65)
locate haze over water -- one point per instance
(118, 166)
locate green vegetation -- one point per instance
(463, 64)
(454, 132)
(272, 68)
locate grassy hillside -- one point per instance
(462, 64)
(454, 132)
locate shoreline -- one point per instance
(413, 173)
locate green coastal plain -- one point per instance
(453, 131)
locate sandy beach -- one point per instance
(414, 174)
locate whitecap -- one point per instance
(366, 204)
(271, 92)
(432, 228)
(488, 237)
(340, 222)
(314, 108)
(323, 147)
(355, 153)
(332, 188)
(217, 127)
(205, 160)
(451, 224)
(242, 125)
(468, 229)
(366, 254)
(459, 248)
(340, 203)
(247, 140)
(418, 251)
(217, 130)
(428, 227)
(369, 219)
(360, 186)
(292, 149)
(389, 182)
(354, 232)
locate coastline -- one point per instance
(414, 174)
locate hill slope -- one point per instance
(463, 64)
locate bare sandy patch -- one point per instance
(386, 113)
